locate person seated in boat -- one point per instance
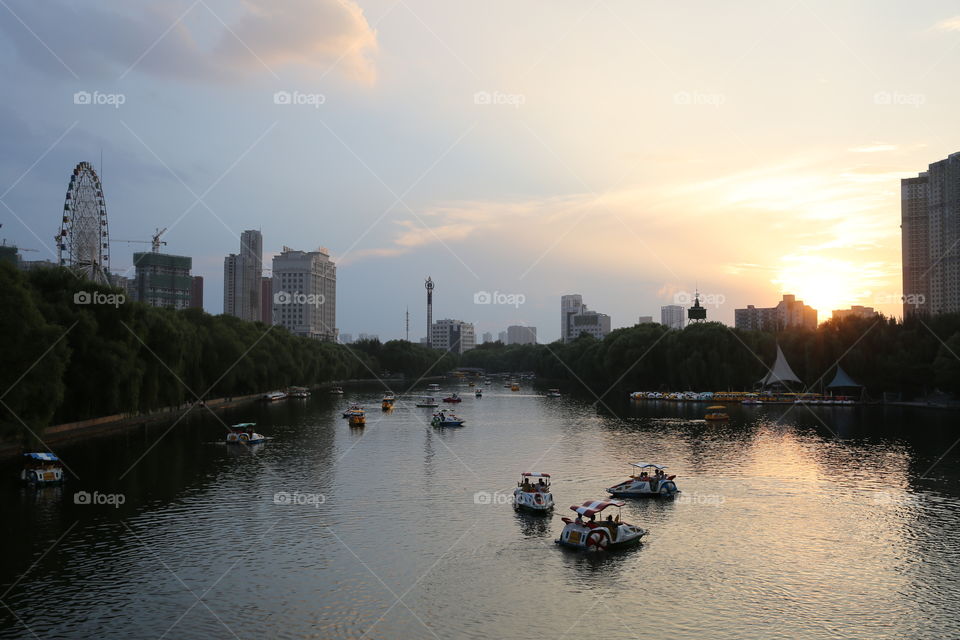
(580, 520)
(541, 485)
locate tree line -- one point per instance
(913, 358)
(68, 358)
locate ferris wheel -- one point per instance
(83, 243)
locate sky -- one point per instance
(630, 152)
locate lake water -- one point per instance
(792, 523)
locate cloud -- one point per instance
(874, 148)
(192, 41)
(949, 24)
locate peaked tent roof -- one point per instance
(781, 371)
(842, 380)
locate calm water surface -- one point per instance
(400, 530)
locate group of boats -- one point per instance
(745, 397)
(588, 530)
(291, 392)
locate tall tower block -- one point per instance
(429, 286)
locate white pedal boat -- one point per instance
(648, 481)
(533, 495)
(243, 433)
(603, 535)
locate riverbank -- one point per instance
(105, 425)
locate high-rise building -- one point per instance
(576, 319)
(242, 275)
(502, 337)
(266, 300)
(789, 312)
(856, 310)
(196, 293)
(305, 293)
(429, 285)
(672, 316)
(163, 280)
(452, 335)
(517, 334)
(487, 337)
(645, 320)
(930, 239)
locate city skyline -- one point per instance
(371, 140)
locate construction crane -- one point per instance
(154, 241)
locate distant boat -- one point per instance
(243, 433)
(273, 396)
(428, 402)
(41, 469)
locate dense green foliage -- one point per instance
(64, 361)
(884, 355)
(80, 361)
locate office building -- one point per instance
(517, 334)
(855, 311)
(502, 337)
(196, 293)
(266, 300)
(487, 337)
(672, 316)
(788, 313)
(163, 280)
(576, 319)
(645, 320)
(305, 293)
(452, 335)
(242, 275)
(930, 239)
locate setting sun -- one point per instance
(825, 283)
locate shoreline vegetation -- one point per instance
(68, 361)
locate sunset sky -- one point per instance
(628, 151)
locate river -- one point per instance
(793, 522)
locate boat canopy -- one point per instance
(645, 465)
(47, 457)
(780, 372)
(716, 407)
(535, 474)
(594, 507)
(842, 380)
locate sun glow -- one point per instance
(825, 284)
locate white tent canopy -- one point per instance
(780, 373)
(842, 380)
